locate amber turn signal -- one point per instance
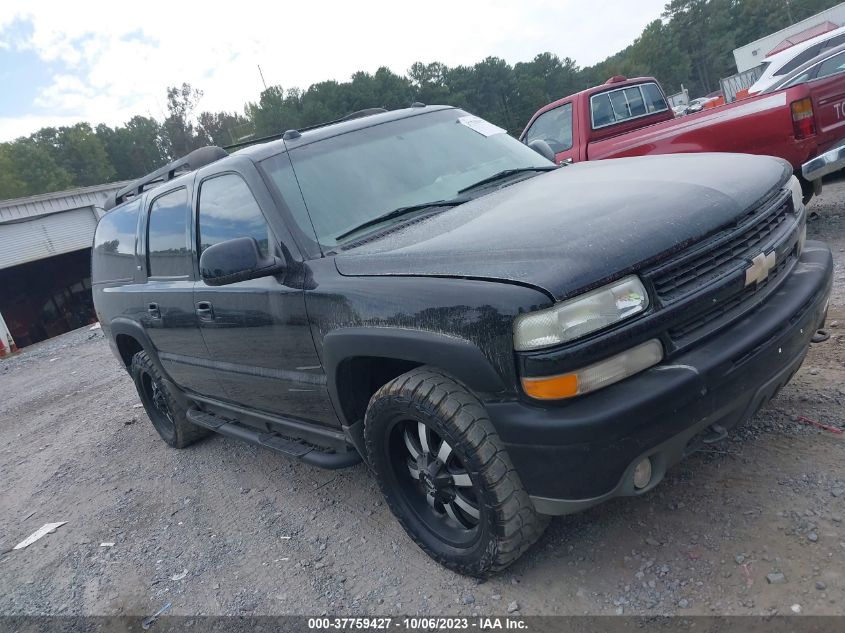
(551, 388)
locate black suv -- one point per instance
(499, 339)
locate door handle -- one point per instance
(153, 311)
(205, 311)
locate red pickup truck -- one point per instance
(630, 117)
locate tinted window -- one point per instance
(114, 243)
(805, 56)
(167, 236)
(798, 60)
(832, 66)
(554, 127)
(227, 209)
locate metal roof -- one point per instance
(23, 209)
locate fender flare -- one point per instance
(459, 357)
(128, 327)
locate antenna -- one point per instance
(262, 76)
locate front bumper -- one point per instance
(577, 455)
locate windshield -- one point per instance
(349, 179)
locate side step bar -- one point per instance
(277, 443)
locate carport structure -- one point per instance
(45, 262)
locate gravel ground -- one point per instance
(753, 527)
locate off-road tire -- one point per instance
(173, 427)
(508, 524)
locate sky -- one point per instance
(103, 62)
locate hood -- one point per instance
(576, 227)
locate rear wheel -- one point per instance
(446, 475)
(166, 414)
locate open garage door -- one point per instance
(46, 236)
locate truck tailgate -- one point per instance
(828, 97)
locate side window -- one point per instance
(167, 236)
(554, 127)
(654, 101)
(227, 209)
(602, 110)
(832, 66)
(114, 243)
(800, 59)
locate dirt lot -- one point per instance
(227, 528)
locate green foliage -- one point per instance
(691, 45)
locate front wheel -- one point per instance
(446, 475)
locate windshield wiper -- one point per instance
(453, 202)
(504, 174)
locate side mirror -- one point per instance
(237, 260)
(543, 149)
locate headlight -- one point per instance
(572, 319)
(797, 194)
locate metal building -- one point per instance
(753, 54)
(45, 262)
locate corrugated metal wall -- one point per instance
(23, 242)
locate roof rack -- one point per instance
(196, 159)
(293, 134)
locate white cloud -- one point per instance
(119, 60)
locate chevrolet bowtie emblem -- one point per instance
(760, 267)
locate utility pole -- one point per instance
(262, 75)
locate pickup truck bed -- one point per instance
(796, 124)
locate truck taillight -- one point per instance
(803, 122)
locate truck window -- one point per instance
(554, 127)
(654, 100)
(114, 243)
(167, 235)
(626, 103)
(227, 209)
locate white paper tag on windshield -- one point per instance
(485, 128)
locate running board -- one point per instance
(277, 443)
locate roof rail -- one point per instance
(292, 134)
(196, 159)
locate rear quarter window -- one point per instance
(115, 243)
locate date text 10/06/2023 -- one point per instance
(421, 623)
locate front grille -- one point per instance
(723, 252)
(747, 295)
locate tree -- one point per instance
(223, 128)
(36, 169)
(11, 186)
(428, 82)
(82, 154)
(136, 148)
(179, 133)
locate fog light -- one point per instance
(642, 474)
